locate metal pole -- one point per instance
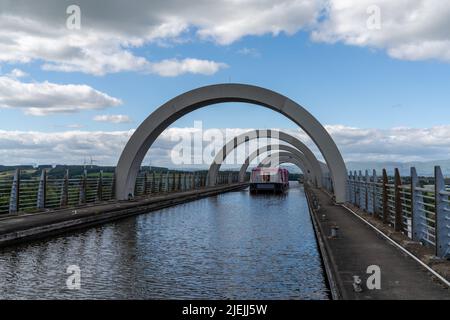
(100, 187)
(167, 182)
(374, 192)
(398, 225)
(442, 228)
(145, 183)
(173, 182)
(113, 186)
(42, 191)
(362, 188)
(14, 198)
(385, 197)
(352, 197)
(65, 190)
(416, 206)
(83, 186)
(367, 184)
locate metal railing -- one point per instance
(22, 195)
(409, 205)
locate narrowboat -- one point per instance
(274, 180)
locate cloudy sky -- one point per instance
(375, 72)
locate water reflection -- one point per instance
(233, 246)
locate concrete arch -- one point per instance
(308, 172)
(285, 157)
(144, 136)
(256, 134)
(274, 159)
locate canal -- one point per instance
(233, 246)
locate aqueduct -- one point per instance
(145, 135)
(259, 134)
(307, 168)
(283, 157)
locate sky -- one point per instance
(76, 82)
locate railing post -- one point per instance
(14, 198)
(113, 187)
(146, 183)
(83, 186)
(350, 187)
(416, 206)
(385, 197)
(348, 193)
(193, 181)
(42, 191)
(398, 225)
(99, 196)
(64, 199)
(160, 182)
(360, 188)
(167, 182)
(174, 186)
(374, 192)
(366, 193)
(189, 181)
(442, 222)
(179, 181)
(153, 185)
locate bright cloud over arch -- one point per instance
(44, 98)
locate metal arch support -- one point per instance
(144, 136)
(308, 168)
(257, 134)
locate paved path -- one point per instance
(359, 246)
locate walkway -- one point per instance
(359, 246)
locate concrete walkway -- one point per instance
(359, 246)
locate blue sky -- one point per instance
(339, 84)
(363, 84)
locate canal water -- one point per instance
(233, 246)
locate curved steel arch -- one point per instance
(144, 136)
(308, 169)
(256, 134)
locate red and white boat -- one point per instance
(274, 180)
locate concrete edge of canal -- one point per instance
(355, 244)
(327, 259)
(21, 228)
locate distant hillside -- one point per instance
(425, 168)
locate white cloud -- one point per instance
(37, 31)
(113, 118)
(43, 98)
(409, 29)
(252, 52)
(17, 73)
(356, 144)
(173, 67)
